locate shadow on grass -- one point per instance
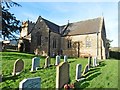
(71, 61)
(10, 78)
(8, 88)
(102, 64)
(92, 71)
(91, 74)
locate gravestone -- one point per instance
(35, 64)
(89, 62)
(30, 84)
(78, 71)
(96, 61)
(65, 58)
(57, 60)
(18, 67)
(47, 62)
(62, 74)
(93, 62)
(85, 70)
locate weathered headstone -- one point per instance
(18, 67)
(78, 71)
(96, 61)
(47, 62)
(89, 62)
(93, 62)
(30, 84)
(65, 58)
(62, 74)
(35, 64)
(85, 70)
(57, 60)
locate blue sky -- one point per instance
(61, 12)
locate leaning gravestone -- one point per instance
(35, 64)
(65, 58)
(57, 60)
(78, 71)
(18, 67)
(30, 84)
(47, 62)
(62, 74)
(85, 70)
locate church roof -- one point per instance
(77, 28)
(85, 27)
(53, 27)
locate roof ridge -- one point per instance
(87, 20)
(49, 21)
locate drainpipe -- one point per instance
(78, 49)
(97, 45)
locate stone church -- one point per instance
(77, 39)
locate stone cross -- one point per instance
(65, 58)
(35, 64)
(57, 60)
(47, 62)
(30, 84)
(78, 71)
(18, 67)
(62, 74)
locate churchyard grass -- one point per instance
(103, 76)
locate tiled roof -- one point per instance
(84, 27)
(77, 28)
(53, 27)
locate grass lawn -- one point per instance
(103, 76)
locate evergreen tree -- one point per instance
(10, 25)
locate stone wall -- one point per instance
(42, 49)
(82, 49)
(40, 29)
(52, 49)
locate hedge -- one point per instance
(115, 55)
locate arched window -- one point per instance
(88, 41)
(38, 35)
(69, 43)
(54, 42)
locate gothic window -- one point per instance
(38, 38)
(88, 41)
(69, 44)
(54, 42)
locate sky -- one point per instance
(61, 12)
